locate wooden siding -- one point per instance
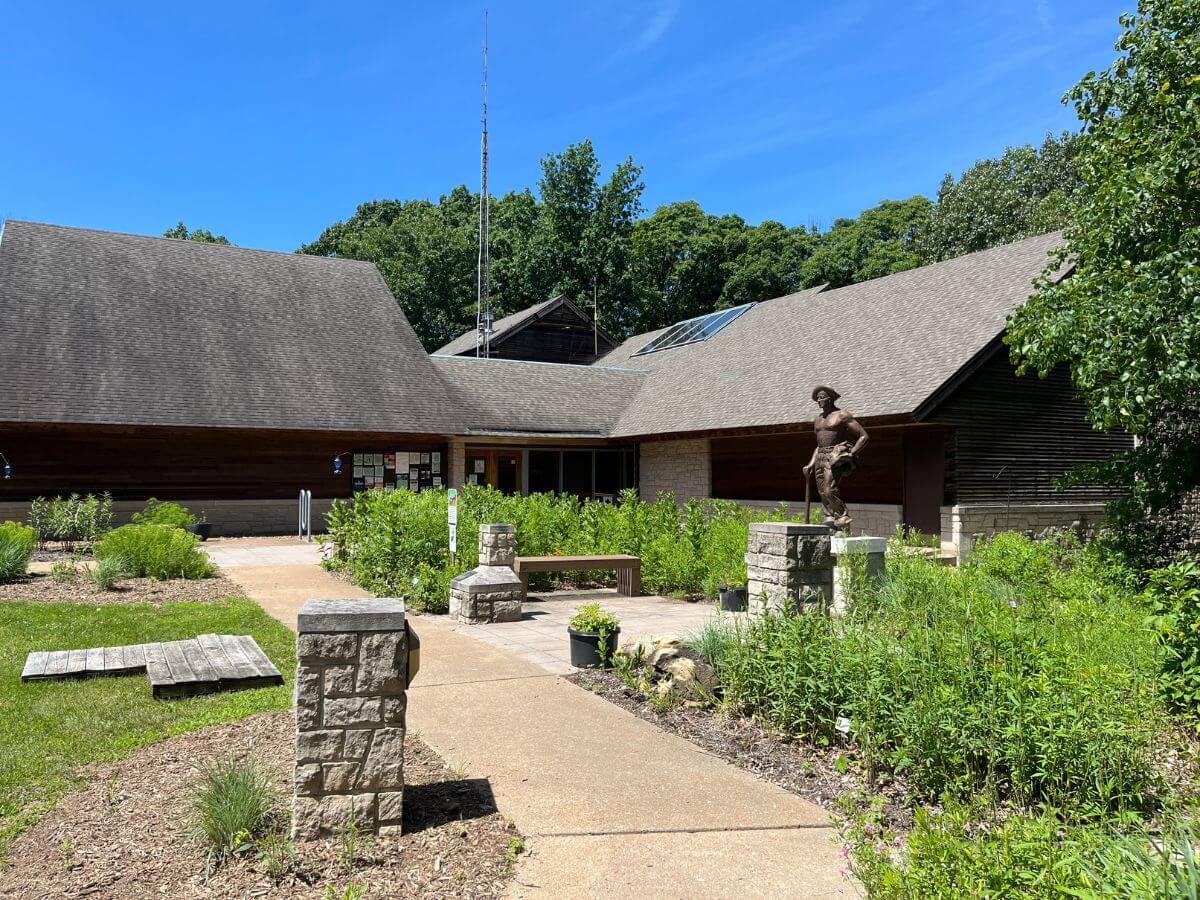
(134, 463)
(1015, 436)
(560, 337)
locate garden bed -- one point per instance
(45, 588)
(126, 834)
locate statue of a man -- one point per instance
(840, 440)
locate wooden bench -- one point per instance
(629, 569)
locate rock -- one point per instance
(308, 780)
(315, 746)
(349, 712)
(319, 648)
(383, 665)
(383, 768)
(357, 742)
(339, 777)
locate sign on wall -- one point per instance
(452, 516)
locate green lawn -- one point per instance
(49, 729)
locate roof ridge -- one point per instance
(151, 237)
(534, 362)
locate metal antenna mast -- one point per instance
(483, 310)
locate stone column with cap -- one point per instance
(492, 591)
(789, 568)
(355, 659)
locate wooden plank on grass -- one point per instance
(114, 660)
(222, 665)
(95, 661)
(35, 665)
(233, 649)
(135, 656)
(181, 672)
(261, 662)
(56, 664)
(157, 669)
(193, 653)
(76, 662)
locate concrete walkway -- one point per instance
(610, 805)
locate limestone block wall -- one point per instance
(789, 567)
(351, 682)
(964, 524)
(682, 467)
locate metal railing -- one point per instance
(304, 527)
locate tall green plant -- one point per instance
(16, 546)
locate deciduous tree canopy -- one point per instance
(203, 235)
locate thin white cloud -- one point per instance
(656, 26)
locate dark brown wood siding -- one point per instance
(768, 467)
(1015, 436)
(560, 337)
(134, 463)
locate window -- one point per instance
(694, 330)
(577, 472)
(608, 472)
(543, 471)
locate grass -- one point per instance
(233, 807)
(49, 729)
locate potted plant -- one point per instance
(733, 599)
(593, 634)
(202, 528)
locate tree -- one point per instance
(203, 235)
(879, 242)
(1127, 319)
(1023, 193)
(771, 265)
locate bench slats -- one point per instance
(629, 568)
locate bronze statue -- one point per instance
(834, 457)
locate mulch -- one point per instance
(828, 776)
(126, 834)
(80, 589)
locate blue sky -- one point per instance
(267, 122)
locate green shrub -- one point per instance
(155, 551)
(16, 546)
(1018, 676)
(71, 519)
(160, 512)
(396, 542)
(1174, 595)
(233, 807)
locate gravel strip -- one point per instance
(126, 835)
(80, 589)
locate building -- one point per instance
(557, 330)
(230, 379)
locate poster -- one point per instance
(424, 459)
(414, 459)
(437, 480)
(480, 468)
(358, 459)
(436, 465)
(473, 478)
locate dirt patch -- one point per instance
(80, 589)
(823, 775)
(126, 835)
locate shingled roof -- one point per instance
(502, 396)
(886, 345)
(101, 327)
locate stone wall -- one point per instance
(353, 669)
(964, 524)
(228, 517)
(789, 567)
(682, 467)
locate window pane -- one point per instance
(577, 472)
(608, 472)
(543, 471)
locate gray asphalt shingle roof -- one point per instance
(886, 345)
(102, 327)
(502, 396)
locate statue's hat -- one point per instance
(833, 395)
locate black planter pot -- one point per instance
(734, 599)
(586, 652)
(202, 530)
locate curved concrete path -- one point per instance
(611, 806)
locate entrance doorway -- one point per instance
(499, 468)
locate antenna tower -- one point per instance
(483, 309)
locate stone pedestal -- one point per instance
(789, 568)
(491, 592)
(855, 558)
(355, 659)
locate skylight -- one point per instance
(694, 330)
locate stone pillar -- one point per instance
(492, 591)
(856, 557)
(456, 463)
(355, 659)
(789, 567)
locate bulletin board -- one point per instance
(409, 470)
